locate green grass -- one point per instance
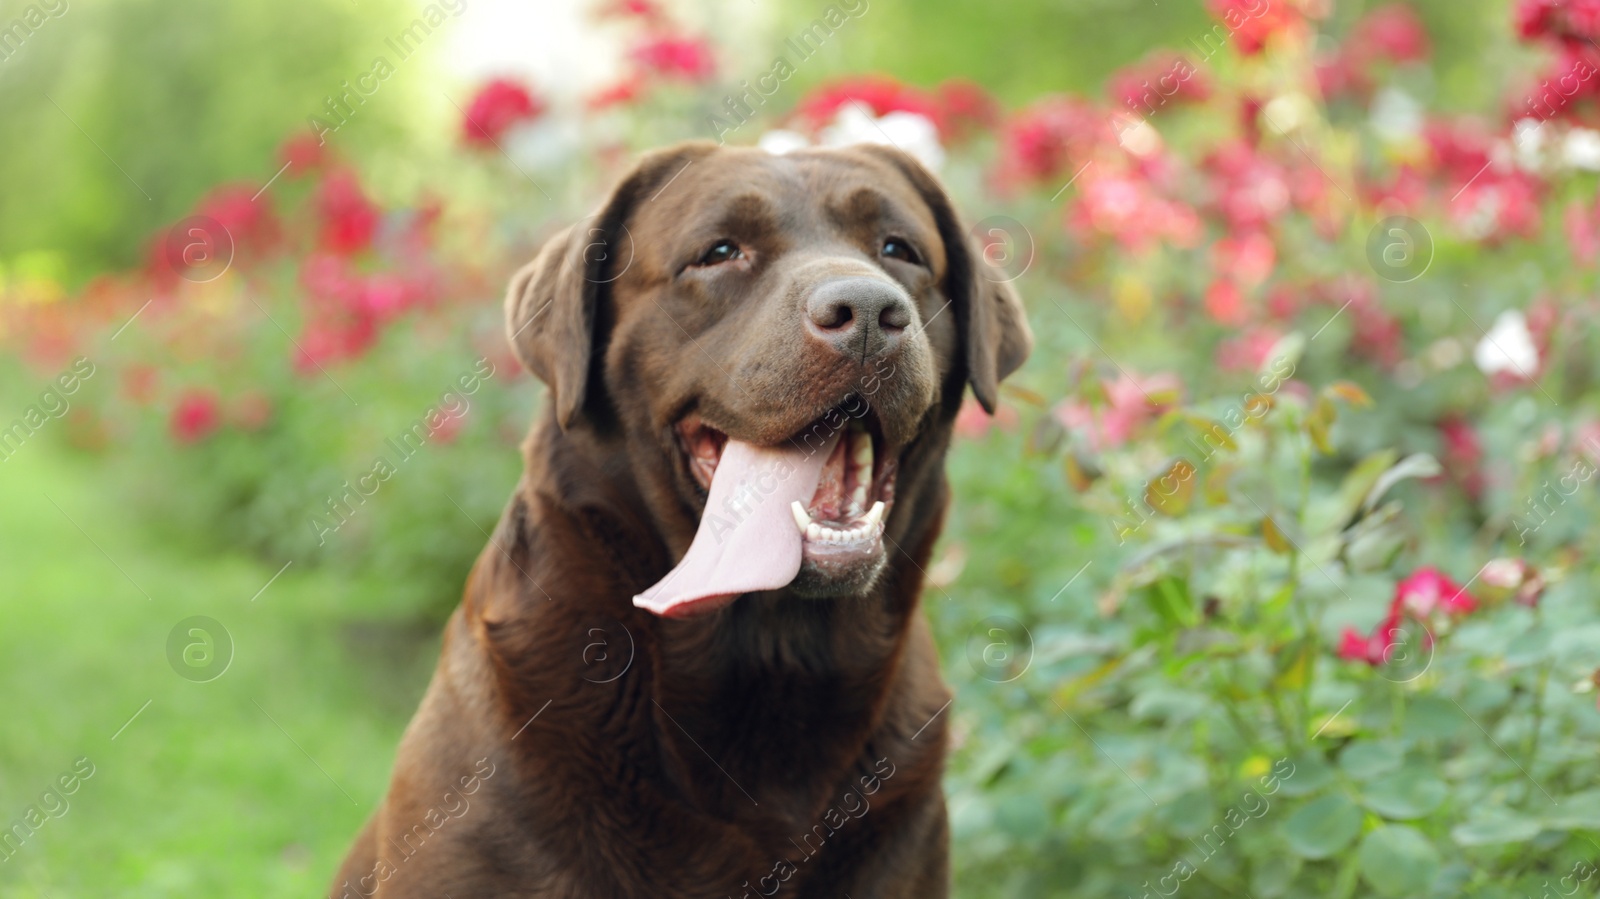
(202, 793)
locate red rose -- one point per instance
(1224, 302)
(1050, 140)
(1390, 32)
(619, 94)
(1428, 589)
(1252, 22)
(195, 417)
(247, 218)
(878, 94)
(686, 58)
(349, 219)
(495, 108)
(251, 411)
(301, 153)
(1157, 80)
(964, 108)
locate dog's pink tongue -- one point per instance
(747, 540)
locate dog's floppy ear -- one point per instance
(989, 315)
(553, 302)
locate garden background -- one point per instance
(1272, 576)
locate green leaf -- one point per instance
(1274, 537)
(1496, 826)
(1348, 391)
(1271, 875)
(1292, 664)
(1045, 437)
(1284, 356)
(1212, 433)
(1170, 491)
(1323, 827)
(1169, 599)
(1080, 469)
(1416, 465)
(1320, 422)
(1369, 759)
(1580, 811)
(1529, 647)
(1372, 542)
(1432, 718)
(1311, 774)
(1023, 815)
(1124, 818)
(1189, 815)
(1398, 861)
(1358, 483)
(1405, 794)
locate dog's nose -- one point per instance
(858, 317)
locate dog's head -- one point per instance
(771, 338)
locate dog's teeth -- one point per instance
(814, 533)
(802, 519)
(875, 515)
(861, 472)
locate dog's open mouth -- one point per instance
(854, 492)
(808, 512)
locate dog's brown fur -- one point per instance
(572, 745)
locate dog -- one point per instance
(690, 662)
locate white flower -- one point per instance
(547, 143)
(1581, 150)
(912, 133)
(1527, 144)
(1136, 135)
(1396, 115)
(779, 141)
(1508, 347)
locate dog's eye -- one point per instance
(898, 248)
(720, 252)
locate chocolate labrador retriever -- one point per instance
(690, 663)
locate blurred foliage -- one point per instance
(1022, 50)
(120, 115)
